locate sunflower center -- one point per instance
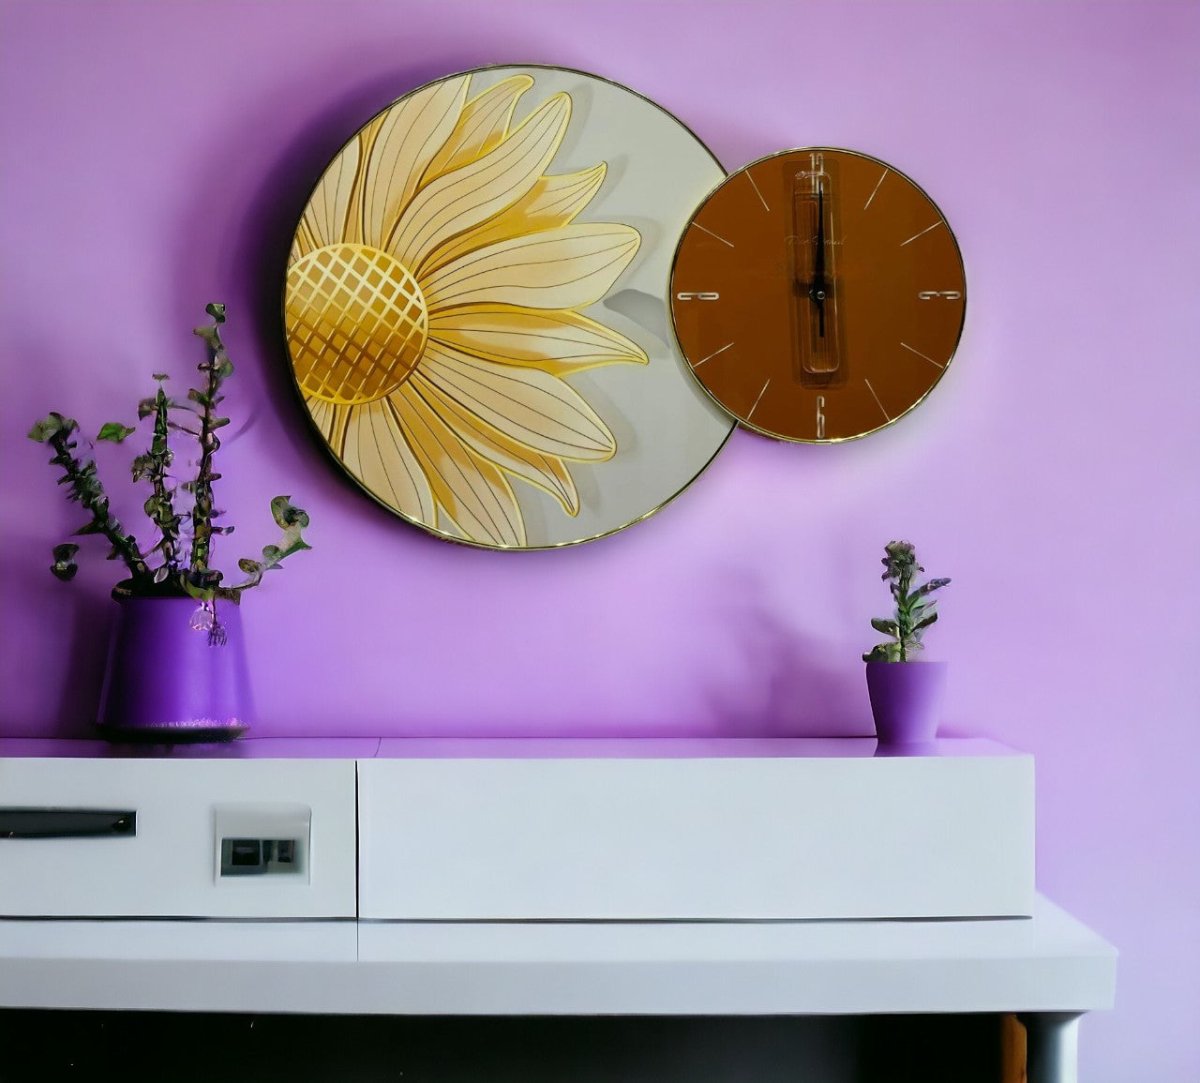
(357, 323)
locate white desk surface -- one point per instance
(1049, 963)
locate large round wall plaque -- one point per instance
(476, 308)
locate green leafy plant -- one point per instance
(915, 608)
(181, 513)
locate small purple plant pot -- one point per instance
(906, 700)
(170, 678)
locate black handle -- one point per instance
(66, 823)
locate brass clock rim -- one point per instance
(740, 423)
(429, 529)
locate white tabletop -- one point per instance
(1048, 963)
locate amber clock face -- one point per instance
(818, 295)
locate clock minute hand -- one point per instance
(815, 312)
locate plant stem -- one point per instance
(160, 457)
(86, 487)
(202, 510)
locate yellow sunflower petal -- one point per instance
(331, 421)
(571, 267)
(324, 219)
(377, 454)
(398, 148)
(551, 203)
(525, 404)
(303, 242)
(546, 472)
(462, 199)
(482, 125)
(555, 342)
(474, 493)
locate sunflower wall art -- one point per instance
(476, 308)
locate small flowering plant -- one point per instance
(181, 512)
(915, 608)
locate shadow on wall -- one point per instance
(260, 236)
(87, 653)
(778, 681)
(80, 620)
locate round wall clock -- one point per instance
(476, 309)
(818, 295)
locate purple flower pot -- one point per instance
(170, 677)
(906, 699)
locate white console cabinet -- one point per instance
(691, 877)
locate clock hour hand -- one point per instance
(819, 290)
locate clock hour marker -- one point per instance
(921, 234)
(712, 355)
(876, 398)
(875, 189)
(820, 417)
(758, 400)
(919, 354)
(712, 234)
(750, 178)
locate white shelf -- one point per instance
(1049, 963)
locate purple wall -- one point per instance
(156, 157)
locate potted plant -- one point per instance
(177, 665)
(906, 694)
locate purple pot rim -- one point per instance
(909, 662)
(126, 599)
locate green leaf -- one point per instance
(296, 546)
(272, 554)
(883, 652)
(887, 627)
(930, 587)
(225, 369)
(932, 618)
(141, 467)
(216, 311)
(114, 432)
(160, 376)
(250, 567)
(218, 422)
(286, 514)
(43, 430)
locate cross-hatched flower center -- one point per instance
(358, 323)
